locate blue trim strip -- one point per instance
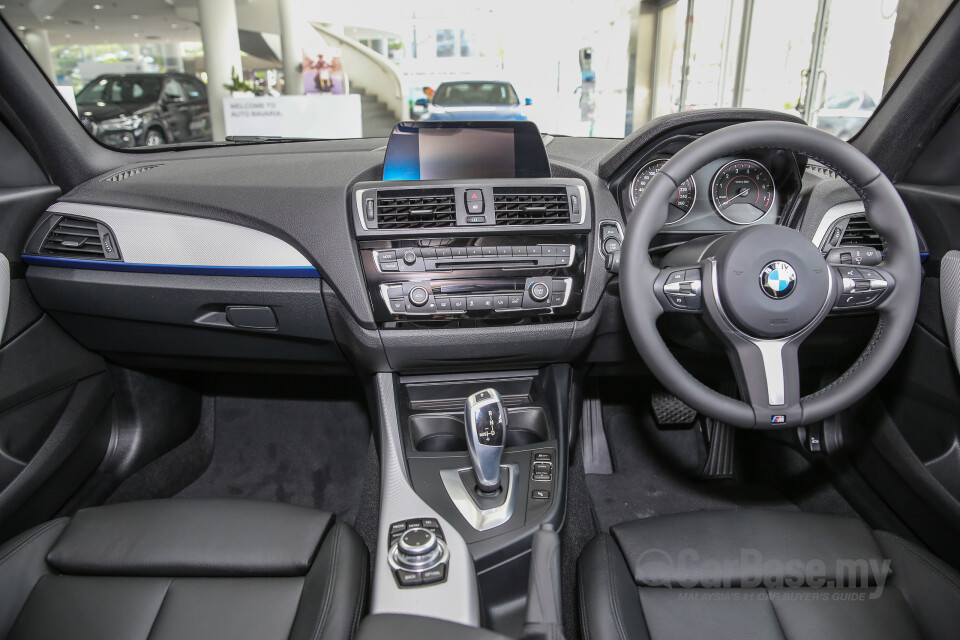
(192, 270)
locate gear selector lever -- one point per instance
(485, 419)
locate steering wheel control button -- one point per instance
(778, 279)
(683, 289)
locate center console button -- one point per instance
(395, 291)
(515, 301)
(549, 250)
(520, 251)
(443, 304)
(387, 256)
(418, 295)
(409, 257)
(409, 578)
(534, 250)
(458, 252)
(500, 301)
(432, 576)
(556, 300)
(428, 252)
(458, 304)
(443, 252)
(389, 266)
(474, 199)
(398, 306)
(479, 303)
(504, 250)
(489, 251)
(563, 250)
(474, 251)
(539, 291)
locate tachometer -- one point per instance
(743, 191)
(680, 203)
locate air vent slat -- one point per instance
(129, 173)
(859, 233)
(416, 209)
(531, 205)
(76, 237)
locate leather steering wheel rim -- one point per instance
(885, 212)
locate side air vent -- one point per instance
(416, 209)
(859, 232)
(531, 205)
(80, 238)
(129, 173)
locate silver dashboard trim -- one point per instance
(833, 215)
(771, 351)
(4, 291)
(482, 519)
(151, 237)
(457, 599)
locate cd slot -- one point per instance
(453, 265)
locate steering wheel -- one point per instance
(765, 288)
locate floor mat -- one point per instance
(299, 446)
(644, 484)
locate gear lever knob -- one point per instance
(485, 419)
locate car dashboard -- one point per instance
(300, 255)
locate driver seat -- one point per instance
(762, 574)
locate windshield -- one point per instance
(261, 69)
(132, 90)
(474, 93)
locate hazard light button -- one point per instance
(474, 199)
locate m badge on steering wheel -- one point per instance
(778, 279)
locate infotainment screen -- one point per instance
(465, 150)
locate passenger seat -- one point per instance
(185, 569)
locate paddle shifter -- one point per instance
(485, 419)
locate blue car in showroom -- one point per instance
(474, 100)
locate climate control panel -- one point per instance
(482, 279)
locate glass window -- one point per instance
(582, 67)
(173, 90)
(446, 45)
(121, 90)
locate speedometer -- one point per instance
(683, 197)
(743, 191)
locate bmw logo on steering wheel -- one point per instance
(778, 279)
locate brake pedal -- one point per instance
(720, 452)
(671, 412)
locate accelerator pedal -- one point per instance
(720, 450)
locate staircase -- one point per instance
(378, 121)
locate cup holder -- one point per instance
(437, 433)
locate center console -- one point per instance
(468, 231)
(478, 252)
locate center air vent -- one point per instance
(531, 205)
(859, 232)
(80, 238)
(416, 209)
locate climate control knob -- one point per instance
(418, 296)
(539, 291)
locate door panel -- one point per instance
(55, 396)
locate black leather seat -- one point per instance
(184, 569)
(762, 574)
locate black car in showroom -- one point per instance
(695, 376)
(145, 109)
